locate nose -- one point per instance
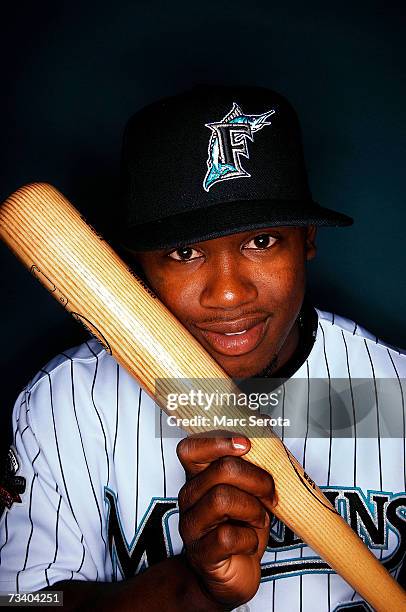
(227, 286)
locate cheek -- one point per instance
(179, 295)
(283, 287)
(283, 293)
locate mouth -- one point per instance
(237, 337)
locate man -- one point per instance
(221, 224)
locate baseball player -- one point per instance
(107, 501)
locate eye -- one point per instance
(185, 254)
(260, 242)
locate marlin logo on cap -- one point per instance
(228, 143)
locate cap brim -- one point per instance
(224, 219)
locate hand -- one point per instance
(224, 515)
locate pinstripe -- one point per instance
(28, 407)
(330, 405)
(56, 537)
(273, 591)
(117, 401)
(6, 540)
(353, 408)
(97, 412)
(15, 431)
(377, 416)
(377, 424)
(162, 452)
(83, 557)
(283, 409)
(282, 437)
(23, 401)
(330, 444)
(355, 422)
(329, 592)
(402, 398)
(29, 537)
(307, 413)
(27, 550)
(304, 467)
(138, 456)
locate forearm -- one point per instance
(170, 586)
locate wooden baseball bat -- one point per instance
(88, 278)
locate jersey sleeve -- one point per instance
(42, 540)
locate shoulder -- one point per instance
(348, 341)
(85, 355)
(79, 388)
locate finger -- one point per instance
(232, 471)
(221, 543)
(222, 503)
(196, 453)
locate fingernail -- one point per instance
(239, 443)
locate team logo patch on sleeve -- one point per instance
(228, 143)
(11, 486)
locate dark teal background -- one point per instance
(71, 76)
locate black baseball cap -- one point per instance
(213, 161)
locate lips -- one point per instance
(235, 337)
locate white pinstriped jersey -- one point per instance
(100, 502)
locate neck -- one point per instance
(289, 348)
(297, 347)
(279, 360)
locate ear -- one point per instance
(310, 242)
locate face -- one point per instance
(239, 295)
